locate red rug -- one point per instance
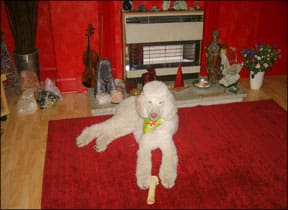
(230, 156)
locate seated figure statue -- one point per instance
(231, 75)
(230, 71)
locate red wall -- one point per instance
(62, 26)
(241, 24)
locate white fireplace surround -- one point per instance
(165, 38)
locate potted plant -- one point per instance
(22, 18)
(258, 60)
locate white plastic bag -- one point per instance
(27, 103)
(50, 86)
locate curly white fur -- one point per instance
(154, 102)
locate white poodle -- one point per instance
(152, 117)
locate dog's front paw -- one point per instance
(102, 143)
(143, 182)
(167, 179)
(84, 138)
(168, 182)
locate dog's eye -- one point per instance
(161, 102)
(150, 102)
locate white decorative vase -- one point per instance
(257, 81)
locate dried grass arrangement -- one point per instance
(22, 17)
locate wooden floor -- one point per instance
(23, 142)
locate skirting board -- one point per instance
(188, 97)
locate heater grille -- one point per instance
(160, 55)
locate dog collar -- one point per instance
(149, 124)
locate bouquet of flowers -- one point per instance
(260, 58)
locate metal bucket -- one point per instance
(28, 61)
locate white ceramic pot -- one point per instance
(257, 81)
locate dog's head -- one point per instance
(156, 101)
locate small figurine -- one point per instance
(166, 5)
(127, 5)
(231, 77)
(141, 8)
(180, 5)
(154, 9)
(197, 6)
(230, 69)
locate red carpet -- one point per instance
(230, 156)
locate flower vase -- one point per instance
(257, 81)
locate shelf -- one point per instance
(188, 97)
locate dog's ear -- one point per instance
(170, 107)
(141, 104)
